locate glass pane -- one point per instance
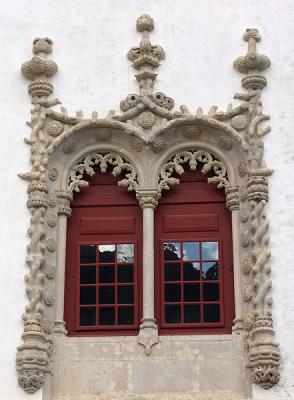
(192, 313)
(88, 295)
(172, 251)
(125, 253)
(209, 250)
(88, 254)
(106, 253)
(125, 273)
(125, 295)
(172, 272)
(88, 275)
(88, 316)
(106, 295)
(191, 251)
(172, 314)
(106, 316)
(126, 315)
(172, 293)
(211, 313)
(210, 292)
(106, 273)
(192, 292)
(210, 271)
(192, 271)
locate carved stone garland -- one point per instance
(148, 120)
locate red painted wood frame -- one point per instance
(194, 211)
(103, 214)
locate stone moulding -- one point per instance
(227, 143)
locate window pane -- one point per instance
(192, 271)
(106, 316)
(210, 292)
(106, 274)
(125, 273)
(88, 275)
(211, 313)
(106, 295)
(192, 313)
(172, 251)
(172, 293)
(192, 292)
(209, 250)
(88, 316)
(125, 295)
(88, 295)
(106, 253)
(210, 271)
(125, 253)
(172, 272)
(172, 314)
(126, 315)
(88, 254)
(191, 251)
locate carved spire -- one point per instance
(253, 62)
(146, 57)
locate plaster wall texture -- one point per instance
(91, 40)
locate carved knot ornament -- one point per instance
(148, 146)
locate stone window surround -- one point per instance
(148, 143)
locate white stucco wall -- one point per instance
(91, 39)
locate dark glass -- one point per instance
(106, 274)
(211, 312)
(172, 292)
(88, 316)
(88, 254)
(192, 292)
(209, 251)
(210, 271)
(88, 295)
(192, 271)
(106, 253)
(126, 315)
(172, 272)
(191, 251)
(172, 314)
(172, 251)
(191, 313)
(88, 275)
(125, 253)
(106, 295)
(106, 316)
(125, 273)
(210, 292)
(125, 295)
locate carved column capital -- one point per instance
(147, 198)
(257, 188)
(232, 197)
(64, 198)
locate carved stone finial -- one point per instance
(253, 62)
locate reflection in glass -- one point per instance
(192, 271)
(191, 251)
(172, 272)
(88, 295)
(126, 315)
(88, 275)
(125, 295)
(211, 312)
(106, 316)
(106, 295)
(172, 314)
(106, 253)
(209, 250)
(210, 271)
(125, 253)
(88, 254)
(106, 274)
(192, 313)
(88, 316)
(172, 293)
(210, 292)
(125, 273)
(192, 292)
(172, 251)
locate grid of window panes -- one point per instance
(107, 282)
(191, 282)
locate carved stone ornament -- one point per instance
(148, 146)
